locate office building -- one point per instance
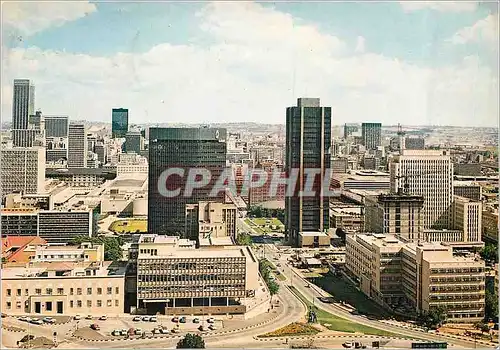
(211, 219)
(397, 214)
(175, 278)
(23, 170)
(134, 142)
(119, 122)
(371, 133)
(186, 148)
(350, 129)
(467, 217)
(23, 105)
(424, 276)
(29, 201)
(101, 151)
(468, 189)
(308, 142)
(427, 173)
(77, 146)
(67, 288)
(490, 224)
(361, 180)
(414, 143)
(56, 126)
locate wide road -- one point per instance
(314, 292)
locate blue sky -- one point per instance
(426, 56)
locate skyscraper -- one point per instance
(371, 133)
(134, 142)
(23, 170)
(184, 148)
(308, 142)
(56, 126)
(427, 173)
(77, 146)
(23, 105)
(119, 125)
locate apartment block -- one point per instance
(399, 214)
(418, 276)
(22, 170)
(211, 219)
(63, 288)
(467, 217)
(175, 278)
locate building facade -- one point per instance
(210, 219)
(467, 217)
(56, 126)
(134, 142)
(468, 189)
(308, 142)
(77, 146)
(183, 148)
(119, 122)
(414, 143)
(23, 105)
(427, 173)
(371, 134)
(23, 170)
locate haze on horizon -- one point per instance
(410, 63)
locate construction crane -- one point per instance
(406, 186)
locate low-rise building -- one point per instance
(313, 239)
(16, 249)
(211, 219)
(349, 219)
(422, 276)
(63, 288)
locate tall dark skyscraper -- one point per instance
(372, 135)
(134, 142)
(119, 125)
(56, 125)
(23, 105)
(308, 142)
(183, 148)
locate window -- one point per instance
(48, 306)
(26, 292)
(71, 291)
(78, 291)
(79, 303)
(117, 303)
(99, 291)
(18, 292)
(117, 290)
(38, 291)
(89, 303)
(18, 304)
(89, 291)
(9, 292)
(71, 303)
(60, 291)
(110, 290)
(9, 305)
(99, 303)
(48, 291)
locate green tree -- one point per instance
(112, 245)
(244, 239)
(490, 253)
(481, 326)
(433, 319)
(491, 304)
(191, 341)
(273, 287)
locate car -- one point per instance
(326, 300)
(103, 318)
(36, 321)
(212, 327)
(163, 330)
(77, 317)
(196, 320)
(153, 319)
(88, 317)
(95, 327)
(123, 331)
(307, 286)
(116, 332)
(182, 319)
(156, 331)
(176, 330)
(145, 318)
(23, 318)
(348, 345)
(4, 315)
(136, 318)
(202, 328)
(48, 320)
(211, 320)
(175, 319)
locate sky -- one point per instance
(414, 63)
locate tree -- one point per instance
(191, 341)
(491, 304)
(489, 253)
(112, 245)
(273, 288)
(433, 318)
(244, 239)
(481, 326)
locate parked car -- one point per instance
(116, 332)
(89, 317)
(136, 318)
(36, 321)
(202, 328)
(176, 330)
(196, 320)
(156, 331)
(49, 320)
(153, 319)
(348, 345)
(77, 317)
(145, 318)
(212, 327)
(123, 332)
(175, 319)
(4, 315)
(211, 320)
(182, 319)
(103, 318)
(163, 330)
(23, 318)
(95, 327)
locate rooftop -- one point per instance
(313, 234)
(221, 252)
(69, 269)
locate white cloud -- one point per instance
(28, 18)
(484, 30)
(360, 45)
(247, 75)
(442, 6)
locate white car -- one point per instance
(348, 345)
(77, 317)
(176, 330)
(103, 318)
(48, 320)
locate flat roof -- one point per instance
(216, 241)
(313, 234)
(198, 253)
(33, 269)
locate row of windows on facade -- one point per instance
(48, 304)
(60, 291)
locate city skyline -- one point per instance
(432, 63)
